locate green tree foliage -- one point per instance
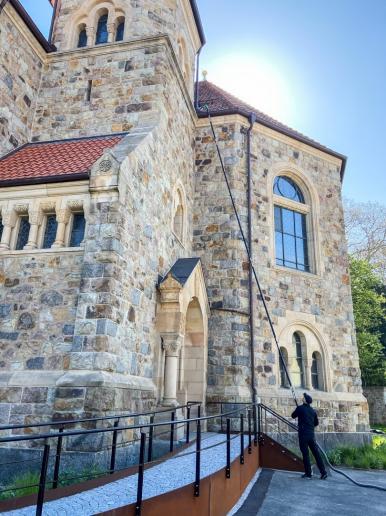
(370, 314)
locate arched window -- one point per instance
(50, 231)
(102, 33)
(77, 229)
(179, 216)
(298, 363)
(283, 376)
(291, 241)
(82, 38)
(120, 29)
(316, 371)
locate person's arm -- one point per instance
(316, 420)
(295, 413)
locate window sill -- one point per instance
(296, 272)
(26, 252)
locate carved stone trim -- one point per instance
(172, 344)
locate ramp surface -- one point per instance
(287, 494)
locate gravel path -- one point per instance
(167, 476)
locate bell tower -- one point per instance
(86, 24)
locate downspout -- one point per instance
(252, 120)
(197, 89)
(53, 21)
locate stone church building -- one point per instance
(124, 282)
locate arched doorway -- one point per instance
(182, 322)
(193, 359)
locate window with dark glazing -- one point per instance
(102, 33)
(50, 231)
(315, 371)
(298, 373)
(286, 187)
(78, 229)
(23, 234)
(82, 39)
(120, 31)
(291, 239)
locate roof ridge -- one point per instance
(226, 104)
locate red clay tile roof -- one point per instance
(62, 160)
(221, 102)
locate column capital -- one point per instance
(63, 215)
(35, 217)
(172, 344)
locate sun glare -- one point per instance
(255, 81)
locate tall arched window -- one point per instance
(120, 29)
(102, 33)
(316, 371)
(291, 241)
(82, 38)
(298, 363)
(283, 376)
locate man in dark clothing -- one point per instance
(307, 421)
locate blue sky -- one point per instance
(318, 66)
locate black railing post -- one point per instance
(172, 432)
(141, 467)
(259, 421)
(150, 445)
(188, 425)
(199, 411)
(42, 481)
(114, 448)
(249, 431)
(198, 459)
(256, 424)
(241, 438)
(55, 482)
(228, 466)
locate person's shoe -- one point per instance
(323, 476)
(309, 477)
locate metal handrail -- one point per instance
(104, 418)
(278, 416)
(174, 423)
(31, 437)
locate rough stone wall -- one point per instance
(323, 298)
(145, 18)
(109, 357)
(38, 298)
(20, 73)
(376, 398)
(217, 240)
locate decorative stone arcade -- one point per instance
(182, 321)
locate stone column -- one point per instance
(9, 221)
(90, 31)
(307, 374)
(171, 343)
(62, 217)
(111, 32)
(35, 219)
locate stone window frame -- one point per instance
(75, 207)
(312, 342)
(310, 208)
(179, 193)
(88, 16)
(37, 211)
